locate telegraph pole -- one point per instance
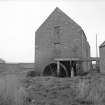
(97, 63)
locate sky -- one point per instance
(19, 19)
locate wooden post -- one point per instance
(72, 72)
(58, 68)
(70, 68)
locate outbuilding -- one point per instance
(102, 57)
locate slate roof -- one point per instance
(102, 45)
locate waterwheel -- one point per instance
(51, 70)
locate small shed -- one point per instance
(102, 57)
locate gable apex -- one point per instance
(59, 12)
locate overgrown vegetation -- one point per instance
(81, 90)
(85, 90)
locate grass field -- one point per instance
(11, 90)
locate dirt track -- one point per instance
(88, 90)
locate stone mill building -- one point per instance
(60, 37)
